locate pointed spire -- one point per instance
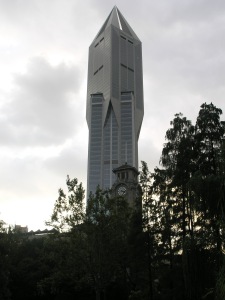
(117, 20)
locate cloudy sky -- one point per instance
(43, 77)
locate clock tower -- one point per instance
(127, 186)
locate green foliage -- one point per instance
(220, 283)
(4, 265)
(101, 251)
(184, 203)
(68, 210)
(101, 248)
(209, 133)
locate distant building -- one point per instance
(21, 229)
(115, 105)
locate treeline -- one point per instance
(93, 254)
(184, 208)
(106, 251)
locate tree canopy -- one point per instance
(101, 251)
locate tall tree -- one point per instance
(177, 159)
(165, 279)
(107, 228)
(209, 148)
(4, 262)
(189, 191)
(99, 237)
(209, 134)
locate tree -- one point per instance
(209, 183)
(220, 283)
(99, 238)
(69, 211)
(4, 263)
(177, 159)
(161, 235)
(184, 200)
(209, 134)
(106, 227)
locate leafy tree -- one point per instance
(66, 251)
(26, 266)
(99, 237)
(209, 136)
(65, 274)
(178, 162)
(4, 263)
(106, 227)
(69, 211)
(220, 283)
(177, 159)
(184, 201)
(161, 236)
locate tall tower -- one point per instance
(115, 105)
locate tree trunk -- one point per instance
(97, 294)
(150, 268)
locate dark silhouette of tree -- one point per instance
(103, 250)
(4, 263)
(101, 237)
(184, 202)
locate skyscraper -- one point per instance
(115, 105)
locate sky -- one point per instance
(43, 83)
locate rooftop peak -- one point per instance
(117, 20)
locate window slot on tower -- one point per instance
(98, 70)
(96, 99)
(96, 45)
(130, 41)
(124, 66)
(123, 37)
(130, 69)
(101, 40)
(126, 96)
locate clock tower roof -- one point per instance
(125, 167)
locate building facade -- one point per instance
(115, 105)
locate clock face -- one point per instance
(122, 190)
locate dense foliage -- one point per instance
(104, 252)
(184, 205)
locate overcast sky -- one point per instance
(43, 77)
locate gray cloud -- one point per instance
(44, 105)
(72, 161)
(184, 60)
